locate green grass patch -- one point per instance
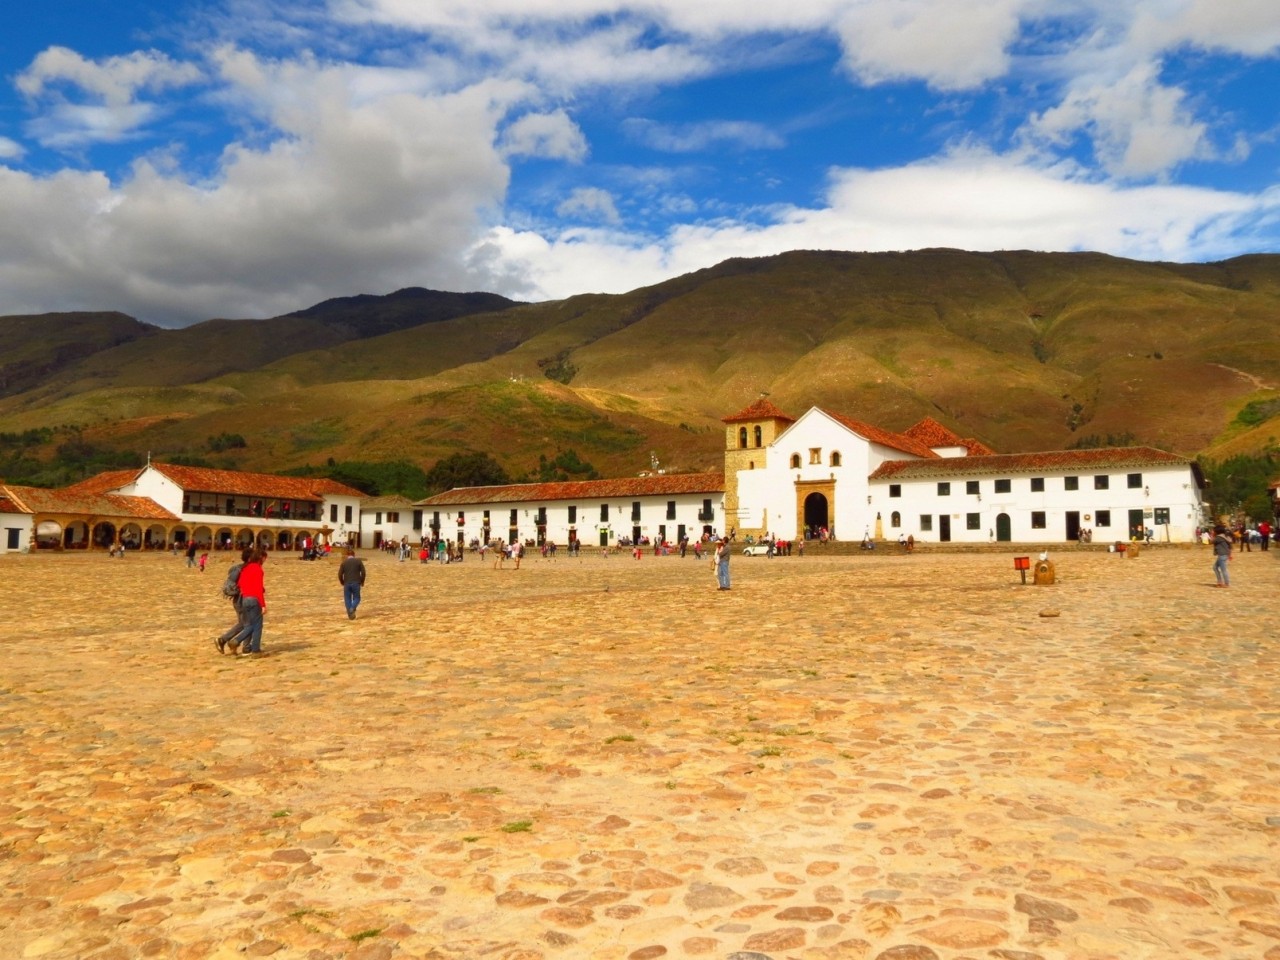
(621, 738)
(485, 790)
(518, 826)
(1258, 412)
(365, 934)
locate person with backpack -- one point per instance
(253, 603)
(351, 575)
(231, 590)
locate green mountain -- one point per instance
(1022, 350)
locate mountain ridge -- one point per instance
(1022, 350)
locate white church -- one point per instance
(786, 476)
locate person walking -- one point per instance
(723, 550)
(231, 590)
(351, 575)
(1264, 533)
(1221, 555)
(191, 554)
(253, 604)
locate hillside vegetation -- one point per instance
(1023, 350)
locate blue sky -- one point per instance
(243, 158)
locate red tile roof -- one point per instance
(661, 485)
(104, 482)
(762, 409)
(9, 506)
(208, 480)
(885, 438)
(933, 434)
(1053, 461)
(977, 448)
(42, 500)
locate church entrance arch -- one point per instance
(815, 506)
(817, 512)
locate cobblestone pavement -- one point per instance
(883, 757)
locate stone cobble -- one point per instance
(885, 757)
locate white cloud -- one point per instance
(590, 203)
(114, 81)
(971, 200)
(950, 45)
(694, 137)
(355, 197)
(548, 135)
(1248, 27)
(111, 86)
(1139, 127)
(69, 125)
(10, 149)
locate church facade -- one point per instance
(789, 476)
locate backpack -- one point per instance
(231, 586)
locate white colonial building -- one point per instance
(389, 519)
(660, 508)
(786, 476)
(163, 504)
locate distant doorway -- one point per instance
(1004, 528)
(944, 528)
(1073, 524)
(1137, 524)
(817, 513)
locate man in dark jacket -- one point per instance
(351, 576)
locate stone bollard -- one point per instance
(1133, 550)
(1044, 573)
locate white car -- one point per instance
(756, 550)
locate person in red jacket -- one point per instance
(253, 604)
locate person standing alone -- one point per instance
(351, 575)
(1221, 555)
(722, 563)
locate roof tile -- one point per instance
(106, 482)
(762, 409)
(1109, 458)
(35, 500)
(885, 438)
(933, 434)
(236, 482)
